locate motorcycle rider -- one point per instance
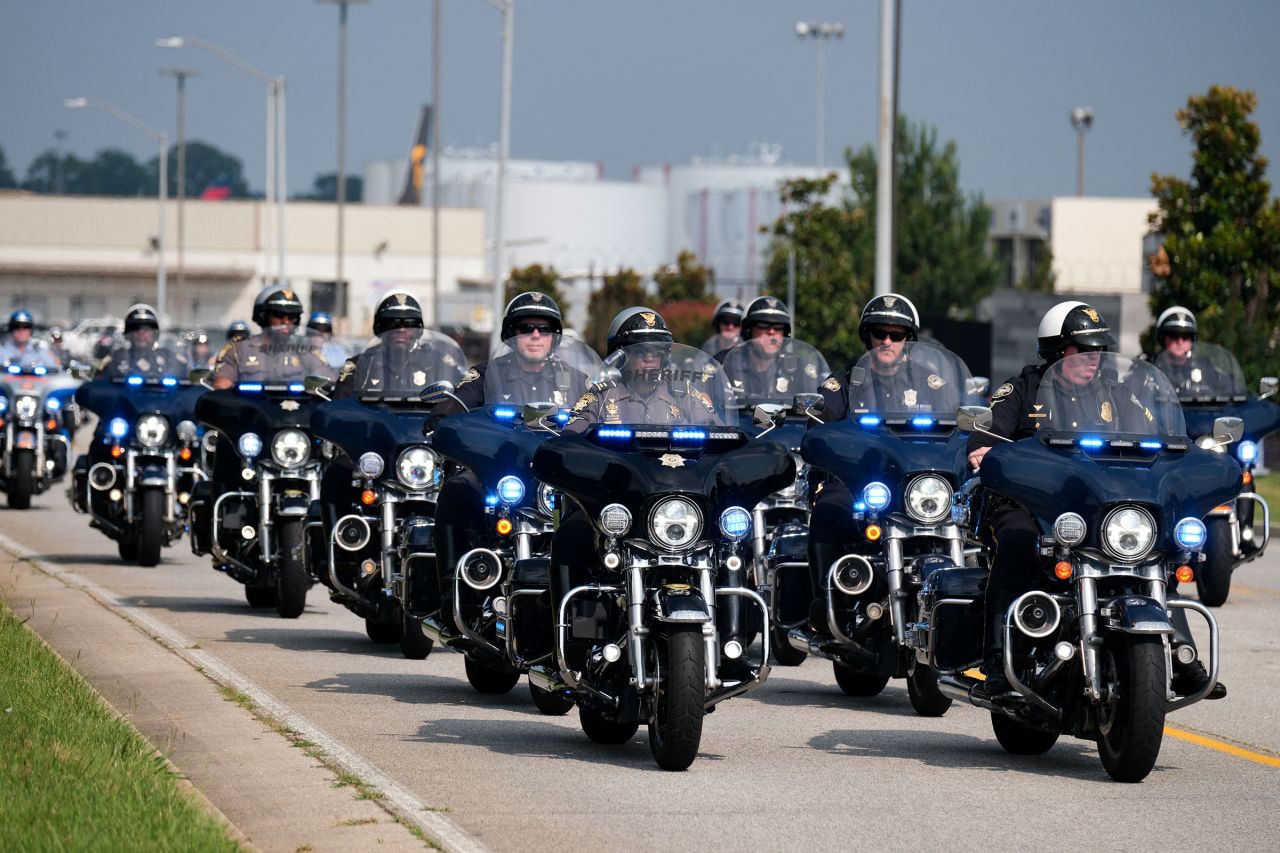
(201, 350)
(19, 348)
(769, 367)
(56, 345)
(320, 330)
(401, 359)
(1187, 370)
(1067, 329)
(275, 350)
(238, 330)
(727, 323)
(141, 352)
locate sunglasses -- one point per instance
(771, 327)
(730, 324)
(886, 335)
(1179, 336)
(279, 315)
(403, 324)
(530, 328)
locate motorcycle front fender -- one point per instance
(675, 604)
(1139, 614)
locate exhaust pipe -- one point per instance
(480, 569)
(102, 476)
(1036, 614)
(352, 533)
(852, 574)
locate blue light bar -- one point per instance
(40, 370)
(1151, 445)
(490, 500)
(615, 432)
(297, 388)
(504, 413)
(135, 381)
(562, 418)
(250, 386)
(696, 435)
(859, 506)
(1091, 443)
(169, 381)
(13, 368)
(869, 420)
(922, 422)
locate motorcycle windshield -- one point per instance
(773, 370)
(657, 384)
(1205, 374)
(1096, 395)
(907, 379)
(399, 363)
(538, 368)
(149, 364)
(277, 359)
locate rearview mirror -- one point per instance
(200, 376)
(83, 372)
(974, 418)
(319, 386)
(808, 403)
(437, 392)
(977, 386)
(1227, 430)
(766, 414)
(1267, 387)
(535, 413)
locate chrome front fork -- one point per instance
(390, 575)
(1090, 639)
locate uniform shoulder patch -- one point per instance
(705, 400)
(472, 375)
(1004, 390)
(348, 368)
(832, 384)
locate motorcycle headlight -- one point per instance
(370, 464)
(416, 467)
(615, 519)
(1069, 529)
(291, 448)
(876, 496)
(151, 430)
(1190, 533)
(547, 499)
(250, 445)
(735, 523)
(25, 407)
(510, 490)
(929, 499)
(1129, 533)
(675, 523)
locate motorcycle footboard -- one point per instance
(1197, 607)
(758, 674)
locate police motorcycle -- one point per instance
(1089, 653)
(494, 604)
(1209, 386)
(367, 538)
(264, 472)
(137, 479)
(783, 393)
(39, 417)
(641, 640)
(902, 458)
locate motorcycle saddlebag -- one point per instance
(957, 628)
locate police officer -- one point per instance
(276, 352)
(1187, 370)
(21, 349)
(770, 367)
(402, 361)
(141, 352)
(320, 331)
(727, 323)
(1085, 400)
(201, 349)
(238, 330)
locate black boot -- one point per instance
(996, 605)
(1191, 678)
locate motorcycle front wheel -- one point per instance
(260, 597)
(784, 654)
(1131, 715)
(922, 690)
(414, 643)
(601, 729)
(151, 527)
(555, 704)
(861, 684)
(1213, 577)
(675, 725)
(292, 577)
(22, 484)
(489, 680)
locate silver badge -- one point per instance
(782, 384)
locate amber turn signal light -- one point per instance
(117, 451)
(1248, 477)
(1184, 574)
(368, 496)
(873, 532)
(185, 454)
(1062, 571)
(504, 526)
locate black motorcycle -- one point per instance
(264, 474)
(38, 413)
(1119, 506)
(137, 479)
(1210, 384)
(780, 389)
(902, 458)
(386, 478)
(493, 605)
(670, 503)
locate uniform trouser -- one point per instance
(459, 508)
(831, 529)
(1016, 568)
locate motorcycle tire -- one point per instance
(860, 684)
(128, 548)
(22, 484)
(414, 643)
(675, 726)
(1131, 723)
(555, 704)
(260, 597)
(151, 527)
(488, 680)
(1019, 739)
(292, 576)
(784, 654)
(383, 630)
(922, 690)
(1213, 576)
(601, 729)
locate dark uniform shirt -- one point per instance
(786, 374)
(385, 368)
(266, 357)
(667, 403)
(153, 360)
(1195, 376)
(908, 389)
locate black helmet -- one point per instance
(238, 330)
(1176, 319)
(637, 326)
(55, 334)
(320, 321)
(889, 309)
(531, 305)
(397, 310)
(1072, 323)
(200, 337)
(141, 316)
(730, 309)
(21, 319)
(276, 300)
(765, 309)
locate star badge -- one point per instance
(672, 460)
(289, 405)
